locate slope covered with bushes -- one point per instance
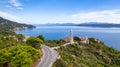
(18, 56)
(88, 55)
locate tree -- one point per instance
(60, 63)
(76, 38)
(4, 57)
(23, 56)
(21, 60)
(0, 42)
(34, 42)
(20, 37)
(41, 37)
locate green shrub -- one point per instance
(34, 42)
(19, 56)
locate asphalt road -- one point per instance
(60, 46)
(49, 56)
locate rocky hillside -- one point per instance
(94, 54)
(7, 26)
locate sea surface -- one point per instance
(110, 36)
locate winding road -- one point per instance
(49, 56)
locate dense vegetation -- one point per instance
(18, 56)
(15, 52)
(88, 55)
(54, 43)
(9, 41)
(34, 42)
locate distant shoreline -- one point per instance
(101, 25)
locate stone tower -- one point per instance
(71, 38)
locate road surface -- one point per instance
(57, 47)
(49, 57)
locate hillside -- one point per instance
(8, 27)
(88, 55)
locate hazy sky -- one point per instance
(60, 11)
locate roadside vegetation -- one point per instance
(34, 42)
(54, 43)
(88, 55)
(15, 52)
(18, 56)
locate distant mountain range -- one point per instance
(88, 24)
(95, 24)
(57, 24)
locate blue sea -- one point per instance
(110, 36)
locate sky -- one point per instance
(61, 11)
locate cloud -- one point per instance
(110, 16)
(11, 17)
(15, 3)
(8, 6)
(107, 16)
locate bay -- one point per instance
(110, 36)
